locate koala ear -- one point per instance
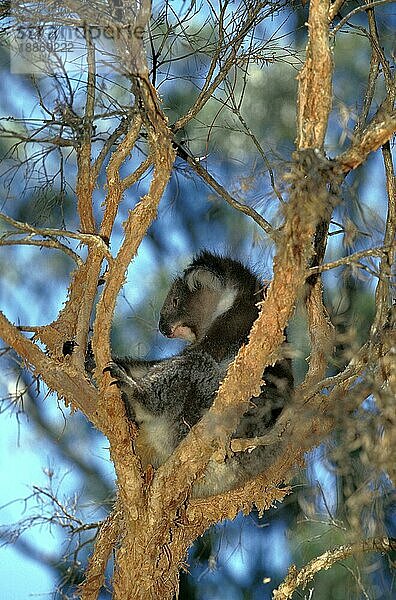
(200, 277)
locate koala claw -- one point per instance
(121, 379)
(116, 382)
(115, 370)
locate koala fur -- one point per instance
(212, 305)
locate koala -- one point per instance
(212, 306)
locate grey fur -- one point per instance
(213, 306)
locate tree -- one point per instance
(110, 120)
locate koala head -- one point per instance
(194, 301)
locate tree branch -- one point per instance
(90, 239)
(28, 241)
(59, 376)
(335, 8)
(104, 545)
(378, 132)
(295, 578)
(85, 180)
(358, 9)
(351, 258)
(114, 187)
(315, 80)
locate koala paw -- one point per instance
(121, 379)
(115, 371)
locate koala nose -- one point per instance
(164, 327)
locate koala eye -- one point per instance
(175, 302)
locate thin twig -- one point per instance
(355, 257)
(355, 11)
(249, 132)
(219, 189)
(86, 238)
(233, 45)
(28, 241)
